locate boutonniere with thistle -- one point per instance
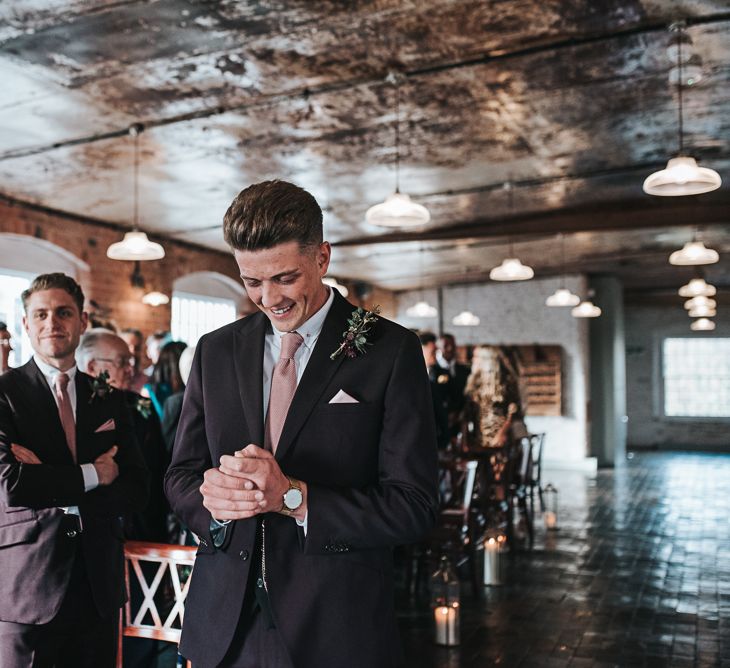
(100, 387)
(356, 337)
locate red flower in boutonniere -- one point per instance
(355, 338)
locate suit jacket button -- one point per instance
(72, 533)
(243, 554)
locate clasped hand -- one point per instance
(245, 484)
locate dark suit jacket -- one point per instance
(35, 552)
(371, 470)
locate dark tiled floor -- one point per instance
(638, 575)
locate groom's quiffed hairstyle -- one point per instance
(270, 213)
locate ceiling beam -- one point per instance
(599, 217)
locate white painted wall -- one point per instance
(515, 313)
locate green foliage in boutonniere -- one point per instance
(100, 386)
(355, 338)
(144, 407)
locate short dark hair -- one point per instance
(427, 337)
(448, 335)
(270, 213)
(51, 281)
(132, 330)
(3, 327)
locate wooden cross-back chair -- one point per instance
(161, 574)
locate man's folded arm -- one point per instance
(402, 505)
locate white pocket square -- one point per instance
(343, 398)
(109, 425)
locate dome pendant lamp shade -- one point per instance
(155, 298)
(697, 287)
(422, 309)
(586, 309)
(135, 246)
(702, 325)
(511, 269)
(694, 253)
(465, 319)
(398, 210)
(562, 297)
(682, 176)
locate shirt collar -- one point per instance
(310, 329)
(50, 372)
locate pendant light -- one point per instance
(465, 318)
(398, 210)
(136, 245)
(682, 175)
(697, 287)
(422, 309)
(511, 268)
(155, 298)
(694, 253)
(702, 325)
(586, 309)
(700, 302)
(562, 296)
(702, 312)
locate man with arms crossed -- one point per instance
(299, 472)
(69, 467)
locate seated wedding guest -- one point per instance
(102, 351)
(5, 347)
(165, 379)
(173, 404)
(69, 468)
(440, 387)
(134, 339)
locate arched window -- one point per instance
(204, 301)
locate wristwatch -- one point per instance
(293, 497)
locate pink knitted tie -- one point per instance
(283, 386)
(66, 412)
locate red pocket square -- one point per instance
(109, 425)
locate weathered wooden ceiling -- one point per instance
(569, 100)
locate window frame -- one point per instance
(182, 294)
(662, 382)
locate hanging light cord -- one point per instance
(397, 136)
(136, 180)
(680, 35)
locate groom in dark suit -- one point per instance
(69, 468)
(306, 451)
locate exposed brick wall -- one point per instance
(109, 280)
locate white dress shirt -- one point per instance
(309, 331)
(91, 479)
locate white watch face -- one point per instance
(293, 499)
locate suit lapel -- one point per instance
(248, 360)
(39, 396)
(318, 373)
(84, 414)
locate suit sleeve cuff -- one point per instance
(91, 479)
(303, 523)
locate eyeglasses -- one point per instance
(119, 362)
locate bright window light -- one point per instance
(195, 315)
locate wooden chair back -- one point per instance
(152, 566)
